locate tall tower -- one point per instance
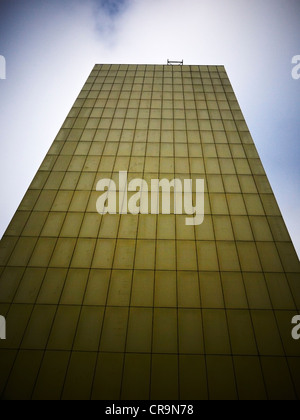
(142, 306)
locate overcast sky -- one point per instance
(50, 48)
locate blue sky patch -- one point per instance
(113, 7)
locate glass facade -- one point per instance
(123, 306)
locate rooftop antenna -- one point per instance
(174, 63)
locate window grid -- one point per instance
(168, 298)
